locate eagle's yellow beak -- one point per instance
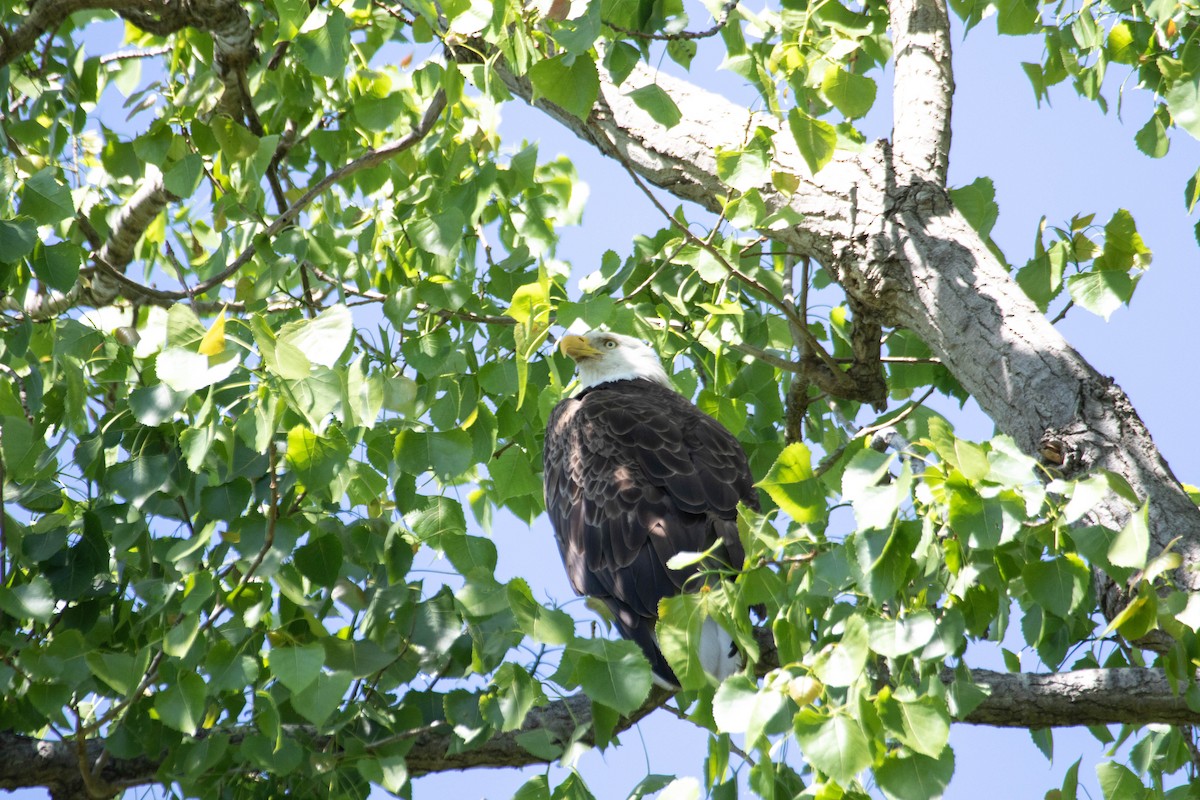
(577, 347)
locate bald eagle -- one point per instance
(635, 473)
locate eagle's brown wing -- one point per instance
(634, 473)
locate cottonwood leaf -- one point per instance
(321, 697)
(321, 340)
(1131, 546)
(652, 99)
(851, 94)
(792, 485)
(836, 745)
(815, 138)
(570, 82)
(181, 704)
(740, 706)
(1102, 292)
(915, 776)
(297, 667)
(1059, 585)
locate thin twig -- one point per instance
(1062, 314)
(126, 55)
(769, 358)
(721, 21)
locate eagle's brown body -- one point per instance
(635, 473)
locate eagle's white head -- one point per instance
(602, 357)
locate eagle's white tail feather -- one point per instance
(718, 656)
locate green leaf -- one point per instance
(977, 202)
(573, 788)
(922, 723)
(181, 704)
(1118, 782)
(1060, 586)
(389, 772)
(321, 697)
(513, 476)
(449, 454)
(1016, 17)
(297, 667)
(33, 600)
(875, 497)
(610, 672)
(915, 776)
(894, 638)
(292, 14)
(1131, 547)
(844, 662)
(1152, 138)
(441, 233)
(45, 198)
(1183, 99)
(816, 139)
(443, 518)
(578, 35)
(229, 670)
(184, 328)
(1192, 191)
(316, 460)
(658, 104)
(323, 339)
(1123, 245)
(183, 177)
(681, 620)
(324, 43)
(851, 94)
(186, 372)
(570, 82)
(21, 447)
(546, 625)
(514, 694)
(320, 560)
(619, 59)
(1042, 276)
(792, 485)
(17, 238)
(741, 707)
(835, 745)
(57, 265)
(472, 556)
(1101, 292)
(154, 405)
(181, 635)
(1070, 784)
(1120, 44)
(747, 168)
(536, 788)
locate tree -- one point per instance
(269, 340)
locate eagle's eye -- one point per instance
(610, 344)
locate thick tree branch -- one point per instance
(922, 90)
(128, 226)
(1023, 700)
(1081, 697)
(46, 15)
(903, 252)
